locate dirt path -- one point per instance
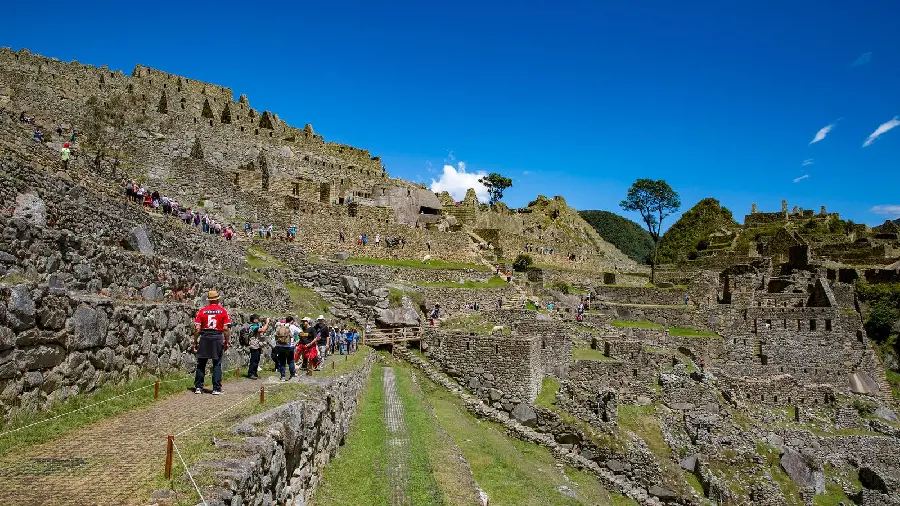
(398, 445)
(116, 460)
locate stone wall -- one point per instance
(283, 452)
(54, 344)
(513, 362)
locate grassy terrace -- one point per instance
(547, 396)
(581, 353)
(417, 264)
(49, 430)
(675, 331)
(494, 282)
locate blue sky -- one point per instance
(578, 99)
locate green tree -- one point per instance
(622, 233)
(655, 200)
(880, 321)
(522, 262)
(496, 185)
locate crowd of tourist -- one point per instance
(389, 242)
(307, 344)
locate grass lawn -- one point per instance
(581, 353)
(306, 302)
(356, 475)
(689, 332)
(509, 470)
(547, 397)
(49, 430)
(417, 264)
(494, 282)
(259, 259)
(636, 324)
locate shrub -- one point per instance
(560, 286)
(522, 262)
(880, 321)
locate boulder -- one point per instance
(661, 492)
(20, 309)
(31, 208)
(139, 241)
(689, 463)
(804, 470)
(43, 357)
(886, 414)
(615, 465)
(495, 394)
(340, 256)
(525, 414)
(350, 284)
(405, 315)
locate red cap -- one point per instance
(66, 145)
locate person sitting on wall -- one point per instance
(211, 328)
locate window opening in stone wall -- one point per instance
(210, 122)
(468, 345)
(828, 325)
(775, 398)
(784, 323)
(242, 129)
(543, 345)
(496, 350)
(255, 131)
(812, 325)
(798, 326)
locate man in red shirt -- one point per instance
(211, 326)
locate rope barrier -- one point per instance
(88, 406)
(220, 413)
(186, 470)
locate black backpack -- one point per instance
(244, 335)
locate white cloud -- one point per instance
(801, 178)
(456, 181)
(882, 128)
(862, 60)
(822, 133)
(526, 172)
(892, 211)
(808, 161)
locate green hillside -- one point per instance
(691, 233)
(626, 235)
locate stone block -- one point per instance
(31, 208)
(661, 492)
(20, 309)
(525, 414)
(43, 357)
(88, 328)
(340, 256)
(804, 470)
(350, 284)
(886, 414)
(689, 463)
(139, 241)
(615, 465)
(152, 292)
(495, 394)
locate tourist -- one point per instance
(211, 329)
(365, 240)
(65, 155)
(341, 236)
(499, 303)
(686, 299)
(377, 239)
(322, 336)
(308, 348)
(284, 354)
(256, 331)
(435, 314)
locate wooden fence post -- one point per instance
(262, 395)
(169, 446)
(156, 389)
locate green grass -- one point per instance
(642, 421)
(547, 396)
(306, 302)
(342, 364)
(893, 378)
(632, 324)
(581, 353)
(474, 322)
(417, 264)
(259, 259)
(509, 470)
(834, 494)
(49, 430)
(689, 332)
(494, 282)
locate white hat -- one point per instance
(305, 319)
(320, 318)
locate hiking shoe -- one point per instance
(282, 378)
(254, 377)
(198, 390)
(218, 392)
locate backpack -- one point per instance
(244, 336)
(283, 335)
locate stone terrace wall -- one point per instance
(54, 345)
(640, 295)
(513, 362)
(284, 451)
